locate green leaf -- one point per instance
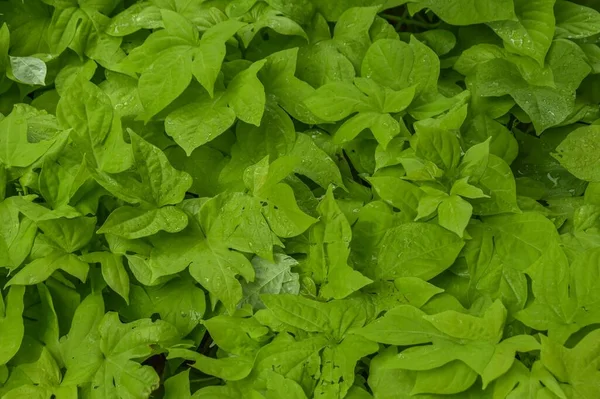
(278, 76)
(88, 111)
(322, 63)
(177, 25)
(231, 369)
(574, 21)
(576, 153)
(117, 374)
(340, 362)
(80, 348)
(335, 101)
(504, 356)
(438, 146)
(416, 250)
(351, 33)
(131, 223)
(165, 184)
(399, 193)
(179, 302)
(327, 260)
(383, 126)
(247, 95)
(16, 236)
(165, 80)
(271, 278)
(264, 16)
(283, 214)
(319, 166)
(452, 378)
(113, 271)
(216, 268)
(196, 124)
(403, 325)
(573, 365)
(532, 33)
(468, 12)
(521, 239)
(41, 269)
(236, 220)
(502, 144)
(138, 16)
(28, 70)
(399, 65)
(178, 386)
(11, 323)
(499, 184)
(15, 148)
(301, 313)
(464, 189)
(209, 55)
(454, 214)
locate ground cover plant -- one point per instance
(294, 199)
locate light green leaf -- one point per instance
(246, 94)
(138, 16)
(39, 270)
(522, 239)
(11, 323)
(200, 122)
(416, 250)
(178, 386)
(113, 271)
(454, 214)
(532, 33)
(504, 356)
(278, 76)
(209, 55)
(233, 368)
(403, 325)
(15, 149)
(502, 144)
(131, 223)
(283, 214)
(80, 348)
(117, 374)
(498, 182)
(577, 153)
(319, 166)
(383, 126)
(236, 221)
(574, 21)
(416, 291)
(164, 80)
(216, 267)
(464, 189)
(177, 25)
(399, 193)
(351, 33)
(398, 65)
(335, 101)
(468, 12)
(165, 184)
(264, 16)
(88, 111)
(438, 146)
(298, 312)
(271, 278)
(451, 378)
(29, 70)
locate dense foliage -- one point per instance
(292, 199)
